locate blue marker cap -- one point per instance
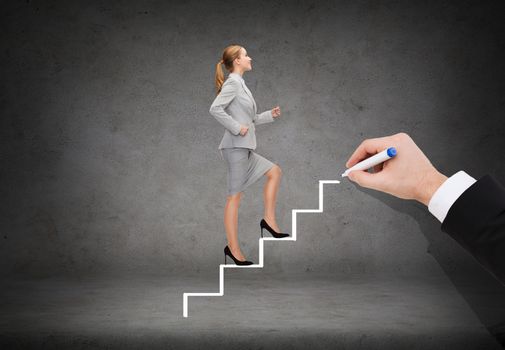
(391, 152)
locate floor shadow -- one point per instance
(481, 290)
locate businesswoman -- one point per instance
(235, 108)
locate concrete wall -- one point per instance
(109, 157)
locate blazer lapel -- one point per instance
(250, 95)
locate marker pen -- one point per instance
(372, 161)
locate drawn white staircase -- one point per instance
(260, 265)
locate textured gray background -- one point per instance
(109, 154)
(109, 159)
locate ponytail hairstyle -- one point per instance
(230, 53)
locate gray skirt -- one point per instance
(245, 167)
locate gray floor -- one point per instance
(257, 311)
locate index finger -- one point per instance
(368, 148)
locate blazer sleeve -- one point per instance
(227, 94)
(476, 220)
(262, 118)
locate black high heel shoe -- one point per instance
(264, 224)
(227, 251)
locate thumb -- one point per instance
(365, 179)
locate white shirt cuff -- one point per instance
(445, 196)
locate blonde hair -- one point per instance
(230, 53)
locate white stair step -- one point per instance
(294, 212)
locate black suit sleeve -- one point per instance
(476, 220)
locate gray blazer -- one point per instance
(236, 99)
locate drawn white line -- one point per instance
(294, 212)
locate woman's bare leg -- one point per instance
(270, 195)
(231, 224)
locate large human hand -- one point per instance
(409, 175)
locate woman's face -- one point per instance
(244, 61)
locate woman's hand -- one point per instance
(243, 129)
(276, 112)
